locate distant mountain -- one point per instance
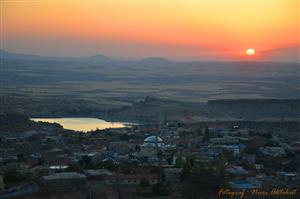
(155, 60)
(100, 58)
(20, 56)
(287, 54)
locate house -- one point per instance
(225, 140)
(60, 182)
(259, 167)
(95, 157)
(130, 179)
(250, 158)
(97, 174)
(147, 152)
(243, 185)
(295, 147)
(120, 148)
(54, 152)
(273, 151)
(236, 172)
(39, 170)
(21, 191)
(287, 177)
(233, 149)
(57, 168)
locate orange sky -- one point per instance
(215, 29)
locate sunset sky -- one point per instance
(178, 30)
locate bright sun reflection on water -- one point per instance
(83, 124)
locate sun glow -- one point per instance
(176, 29)
(250, 52)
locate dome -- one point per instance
(152, 139)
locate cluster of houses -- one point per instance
(57, 161)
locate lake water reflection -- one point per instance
(83, 124)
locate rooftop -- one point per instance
(64, 175)
(153, 139)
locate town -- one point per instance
(170, 159)
(149, 99)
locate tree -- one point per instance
(186, 171)
(182, 134)
(125, 168)
(160, 189)
(73, 168)
(179, 162)
(108, 165)
(206, 134)
(12, 176)
(159, 154)
(199, 132)
(85, 161)
(222, 167)
(144, 183)
(137, 148)
(202, 179)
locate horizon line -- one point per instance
(171, 60)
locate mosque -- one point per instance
(152, 140)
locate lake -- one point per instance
(83, 124)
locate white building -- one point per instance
(153, 141)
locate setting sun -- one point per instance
(250, 52)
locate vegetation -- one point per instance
(201, 178)
(144, 183)
(160, 189)
(11, 176)
(206, 134)
(179, 163)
